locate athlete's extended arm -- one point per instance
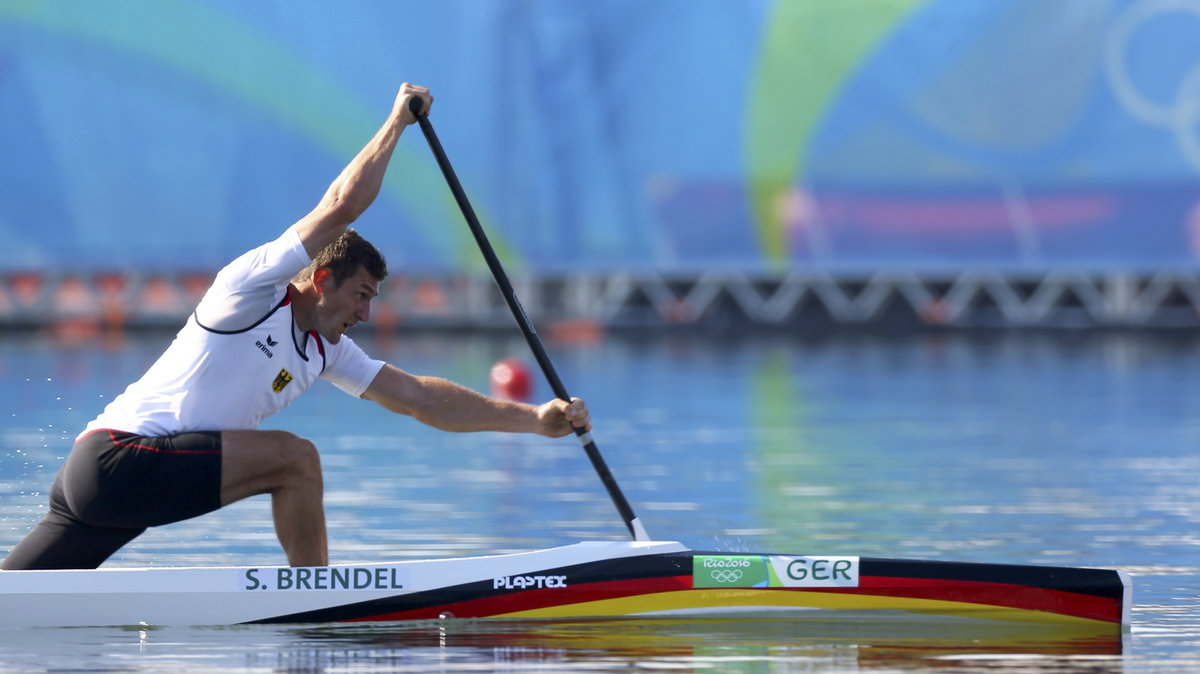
(355, 189)
(446, 405)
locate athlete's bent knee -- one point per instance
(301, 459)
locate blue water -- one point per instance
(1075, 449)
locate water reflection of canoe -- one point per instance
(585, 580)
(684, 644)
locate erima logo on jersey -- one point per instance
(263, 347)
(281, 381)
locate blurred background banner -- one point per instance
(671, 135)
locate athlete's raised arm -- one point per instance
(355, 189)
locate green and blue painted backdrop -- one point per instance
(680, 135)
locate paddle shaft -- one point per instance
(527, 329)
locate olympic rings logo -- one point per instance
(726, 575)
(1178, 116)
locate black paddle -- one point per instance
(518, 312)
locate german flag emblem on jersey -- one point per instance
(281, 381)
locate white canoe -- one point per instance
(584, 580)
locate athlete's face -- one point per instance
(341, 307)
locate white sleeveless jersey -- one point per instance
(240, 357)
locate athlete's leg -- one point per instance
(58, 542)
(289, 469)
(61, 541)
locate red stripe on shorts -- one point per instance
(112, 436)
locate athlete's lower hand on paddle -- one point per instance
(558, 418)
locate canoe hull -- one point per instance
(585, 580)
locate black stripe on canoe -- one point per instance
(1094, 582)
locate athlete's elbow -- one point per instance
(344, 209)
(434, 417)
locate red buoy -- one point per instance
(510, 379)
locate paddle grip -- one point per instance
(415, 104)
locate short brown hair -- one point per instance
(344, 255)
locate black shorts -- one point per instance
(113, 486)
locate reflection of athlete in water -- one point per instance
(181, 441)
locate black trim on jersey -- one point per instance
(300, 349)
(320, 347)
(287, 298)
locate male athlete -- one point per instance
(182, 440)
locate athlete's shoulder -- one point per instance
(253, 285)
(273, 263)
(349, 367)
